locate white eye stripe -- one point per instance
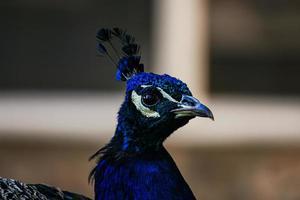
(137, 101)
(163, 93)
(166, 95)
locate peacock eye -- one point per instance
(150, 99)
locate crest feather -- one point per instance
(124, 55)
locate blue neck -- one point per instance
(134, 165)
(131, 137)
(148, 175)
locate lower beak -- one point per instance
(191, 107)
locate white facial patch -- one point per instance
(137, 101)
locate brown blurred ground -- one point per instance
(240, 172)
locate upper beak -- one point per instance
(190, 106)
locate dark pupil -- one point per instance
(150, 99)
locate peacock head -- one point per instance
(159, 104)
(155, 105)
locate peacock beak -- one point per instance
(190, 106)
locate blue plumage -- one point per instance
(134, 164)
(173, 85)
(151, 175)
(128, 66)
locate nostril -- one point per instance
(185, 102)
(188, 101)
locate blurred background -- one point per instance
(58, 100)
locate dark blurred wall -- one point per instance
(50, 45)
(255, 47)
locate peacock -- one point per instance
(135, 165)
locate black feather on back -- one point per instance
(14, 190)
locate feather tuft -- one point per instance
(101, 49)
(129, 63)
(131, 49)
(129, 39)
(104, 34)
(128, 66)
(117, 32)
